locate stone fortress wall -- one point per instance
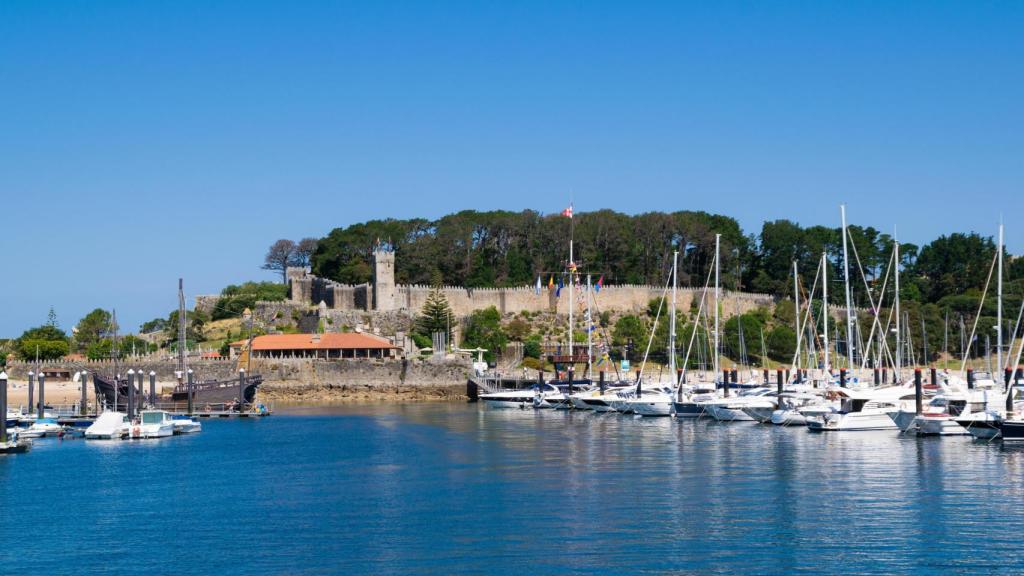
(383, 294)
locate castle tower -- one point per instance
(384, 277)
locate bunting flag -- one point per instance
(568, 211)
(551, 282)
(600, 284)
(537, 289)
(558, 291)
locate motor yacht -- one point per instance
(153, 424)
(860, 410)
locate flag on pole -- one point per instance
(551, 282)
(558, 292)
(537, 289)
(567, 212)
(600, 284)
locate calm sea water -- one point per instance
(455, 488)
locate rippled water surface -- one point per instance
(456, 488)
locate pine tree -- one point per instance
(51, 318)
(436, 315)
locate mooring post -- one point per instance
(42, 395)
(842, 377)
(31, 392)
(878, 380)
(725, 382)
(152, 388)
(935, 376)
(765, 376)
(917, 391)
(735, 377)
(570, 379)
(140, 399)
(540, 377)
(3, 405)
(131, 394)
(600, 381)
(241, 389)
(779, 381)
(639, 385)
(83, 407)
(188, 390)
(1009, 394)
(885, 375)
(970, 378)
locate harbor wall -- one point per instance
(303, 377)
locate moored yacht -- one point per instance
(153, 424)
(860, 410)
(109, 425)
(184, 424)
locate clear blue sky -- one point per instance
(143, 141)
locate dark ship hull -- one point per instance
(218, 391)
(105, 391)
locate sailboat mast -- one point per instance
(846, 290)
(899, 334)
(590, 332)
(181, 327)
(999, 306)
(572, 356)
(672, 318)
(714, 360)
(824, 313)
(796, 315)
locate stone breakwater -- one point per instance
(302, 380)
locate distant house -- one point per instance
(324, 346)
(211, 355)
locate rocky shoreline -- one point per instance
(299, 394)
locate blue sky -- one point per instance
(143, 141)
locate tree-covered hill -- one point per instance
(502, 248)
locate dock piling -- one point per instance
(1009, 394)
(970, 379)
(3, 405)
(131, 394)
(600, 381)
(842, 377)
(31, 392)
(189, 393)
(42, 396)
(152, 388)
(779, 380)
(241, 388)
(83, 406)
(917, 391)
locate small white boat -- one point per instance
(41, 427)
(860, 410)
(186, 425)
(153, 424)
(109, 426)
(731, 409)
(510, 399)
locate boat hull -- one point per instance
(788, 418)
(851, 422)
(728, 414)
(218, 391)
(687, 410)
(938, 426)
(981, 428)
